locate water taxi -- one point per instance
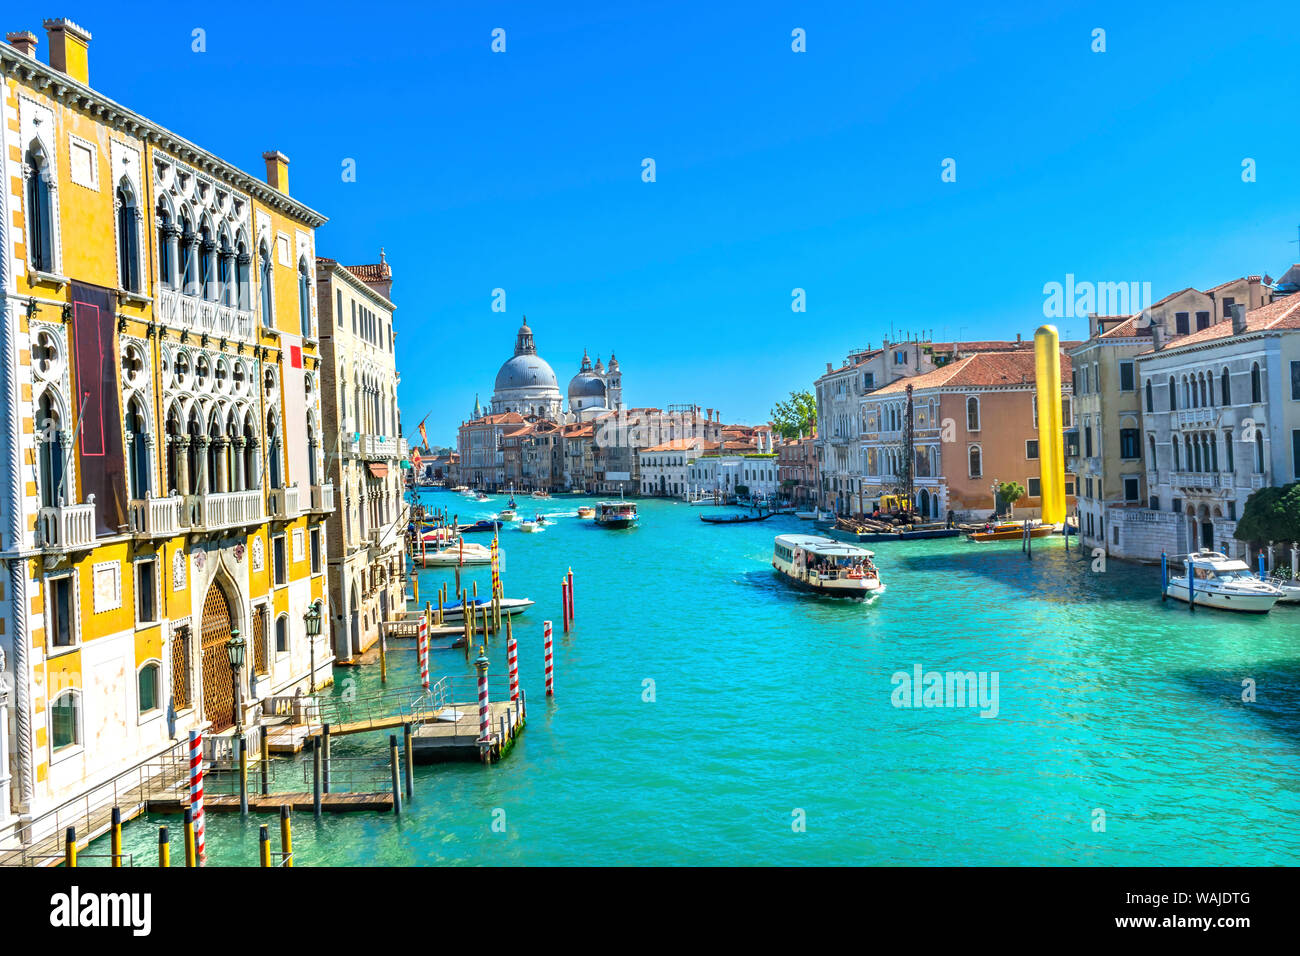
(1221, 582)
(616, 514)
(586, 511)
(826, 566)
(507, 515)
(1009, 532)
(541, 495)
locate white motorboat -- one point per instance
(808, 515)
(453, 555)
(1222, 582)
(1289, 587)
(530, 526)
(509, 607)
(507, 515)
(541, 495)
(826, 566)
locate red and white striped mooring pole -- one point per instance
(550, 659)
(484, 708)
(423, 650)
(196, 793)
(512, 662)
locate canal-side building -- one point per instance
(1220, 420)
(481, 449)
(364, 450)
(975, 423)
(161, 433)
(1106, 450)
(665, 467)
(796, 460)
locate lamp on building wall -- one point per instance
(235, 651)
(312, 619)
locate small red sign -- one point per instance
(295, 356)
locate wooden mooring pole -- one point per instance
(70, 847)
(266, 763)
(240, 742)
(325, 758)
(315, 777)
(392, 760)
(286, 835)
(408, 761)
(264, 846)
(115, 837)
(164, 848)
(188, 833)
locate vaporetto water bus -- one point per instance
(826, 566)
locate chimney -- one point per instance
(69, 44)
(1238, 319)
(1157, 335)
(24, 41)
(277, 170)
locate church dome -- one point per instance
(526, 371)
(586, 385)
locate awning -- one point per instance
(378, 469)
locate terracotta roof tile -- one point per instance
(983, 369)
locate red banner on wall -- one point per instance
(98, 401)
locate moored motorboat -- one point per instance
(487, 524)
(616, 514)
(826, 566)
(453, 555)
(1290, 589)
(1218, 581)
(509, 606)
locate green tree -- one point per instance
(1271, 514)
(1010, 492)
(796, 416)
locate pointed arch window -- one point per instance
(51, 452)
(1256, 384)
(1151, 404)
(242, 261)
(128, 237)
(226, 273)
(40, 210)
(304, 298)
(1225, 383)
(188, 262)
(264, 254)
(166, 248)
(138, 445)
(1173, 395)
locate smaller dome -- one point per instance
(586, 385)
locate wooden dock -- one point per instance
(453, 733)
(379, 802)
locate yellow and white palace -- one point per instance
(163, 473)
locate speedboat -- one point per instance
(826, 566)
(529, 526)
(541, 494)
(809, 515)
(586, 511)
(616, 514)
(487, 524)
(1218, 581)
(480, 497)
(1290, 588)
(507, 515)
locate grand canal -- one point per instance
(770, 706)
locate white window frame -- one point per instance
(147, 716)
(135, 591)
(52, 649)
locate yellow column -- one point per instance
(1051, 449)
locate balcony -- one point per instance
(322, 498)
(156, 517)
(380, 446)
(224, 510)
(200, 315)
(284, 503)
(1205, 480)
(66, 527)
(1196, 417)
(351, 445)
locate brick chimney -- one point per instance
(1238, 319)
(69, 48)
(277, 170)
(24, 41)
(1157, 335)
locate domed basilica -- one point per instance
(527, 385)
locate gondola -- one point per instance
(736, 519)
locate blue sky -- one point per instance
(775, 170)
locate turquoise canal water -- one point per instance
(769, 702)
